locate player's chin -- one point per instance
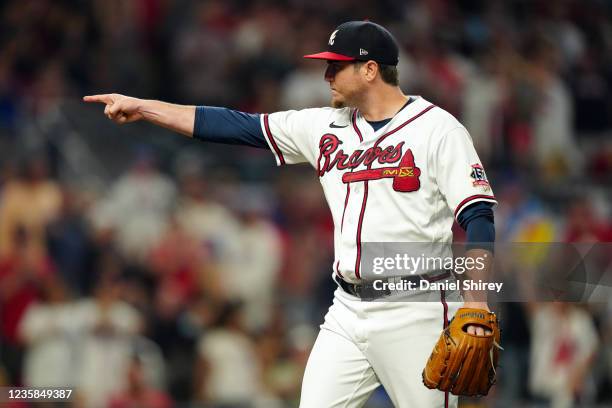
(337, 103)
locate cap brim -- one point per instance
(332, 56)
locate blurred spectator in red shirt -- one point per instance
(584, 224)
(137, 392)
(20, 273)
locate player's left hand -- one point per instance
(478, 330)
(462, 363)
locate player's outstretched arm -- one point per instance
(126, 109)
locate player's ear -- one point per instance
(370, 70)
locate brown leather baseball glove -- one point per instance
(462, 363)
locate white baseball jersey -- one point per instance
(402, 183)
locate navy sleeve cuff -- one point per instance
(479, 224)
(222, 125)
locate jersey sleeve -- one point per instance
(459, 172)
(290, 136)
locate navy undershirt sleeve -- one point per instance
(222, 125)
(479, 223)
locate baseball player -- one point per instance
(394, 168)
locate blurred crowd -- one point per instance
(141, 268)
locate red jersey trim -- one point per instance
(271, 140)
(348, 193)
(354, 122)
(363, 205)
(477, 197)
(359, 228)
(338, 269)
(418, 115)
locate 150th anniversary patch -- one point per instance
(480, 177)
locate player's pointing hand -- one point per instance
(118, 108)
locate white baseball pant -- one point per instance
(363, 344)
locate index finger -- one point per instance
(104, 98)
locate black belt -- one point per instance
(366, 290)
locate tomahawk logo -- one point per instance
(332, 37)
(405, 176)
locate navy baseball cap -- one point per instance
(360, 41)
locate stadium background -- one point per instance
(140, 265)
